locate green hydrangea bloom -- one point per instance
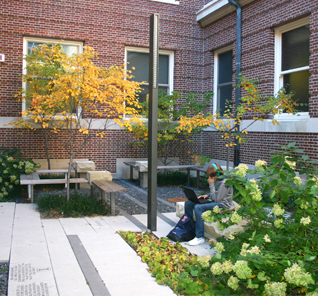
(298, 276)
(279, 223)
(219, 247)
(10, 159)
(259, 164)
(297, 180)
(233, 282)
(216, 210)
(250, 285)
(277, 210)
(13, 178)
(242, 270)
(204, 260)
(275, 289)
(242, 170)
(227, 266)
(216, 268)
(236, 218)
(262, 276)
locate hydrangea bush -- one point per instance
(11, 166)
(277, 253)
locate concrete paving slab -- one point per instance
(31, 272)
(6, 221)
(68, 274)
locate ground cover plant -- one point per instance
(277, 253)
(79, 205)
(11, 166)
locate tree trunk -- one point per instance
(47, 151)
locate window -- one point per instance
(223, 72)
(70, 47)
(139, 60)
(292, 61)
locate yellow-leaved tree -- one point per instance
(72, 95)
(253, 106)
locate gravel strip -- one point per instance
(4, 273)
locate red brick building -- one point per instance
(197, 39)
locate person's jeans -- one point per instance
(199, 209)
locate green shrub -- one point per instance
(173, 178)
(278, 253)
(79, 205)
(11, 166)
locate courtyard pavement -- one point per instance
(78, 256)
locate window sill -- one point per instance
(167, 1)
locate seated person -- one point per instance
(223, 198)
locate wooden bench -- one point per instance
(34, 179)
(108, 187)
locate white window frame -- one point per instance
(278, 76)
(162, 52)
(43, 40)
(216, 77)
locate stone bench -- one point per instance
(142, 167)
(210, 229)
(34, 179)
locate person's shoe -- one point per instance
(196, 241)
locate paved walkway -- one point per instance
(77, 256)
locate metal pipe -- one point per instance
(238, 72)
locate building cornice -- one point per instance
(216, 9)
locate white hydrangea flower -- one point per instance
(275, 289)
(219, 247)
(267, 238)
(277, 210)
(305, 220)
(242, 170)
(227, 266)
(315, 179)
(204, 260)
(254, 250)
(237, 208)
(262, 276)
(279, 223)
(297, 181)
(259, 164)
(298, 276)
(250, 285)
(236, 218)
(244, 249)
(216, 209)
(231, 236)
(233, 282)
(242, 270)
(216, 268)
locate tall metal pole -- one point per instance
(153, 121)
(238, 72)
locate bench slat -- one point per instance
(33, 176)
(52, 181)
(108, 186)
(57, 171)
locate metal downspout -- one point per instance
(238, 71)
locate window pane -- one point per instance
(299, 84)
(140, 61)
(163, 69)
(68, 49)
(295, 48)
(225, 67)
(224, 96)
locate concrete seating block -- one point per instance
(142, 166)
(98, 175)
(210, 229)
(84, 166)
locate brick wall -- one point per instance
(109, 26)
(259, 19)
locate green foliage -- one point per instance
(11, 166)
(171, 264)
(173, 178)
(79, 205)
(279, 247)
(171, 108)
